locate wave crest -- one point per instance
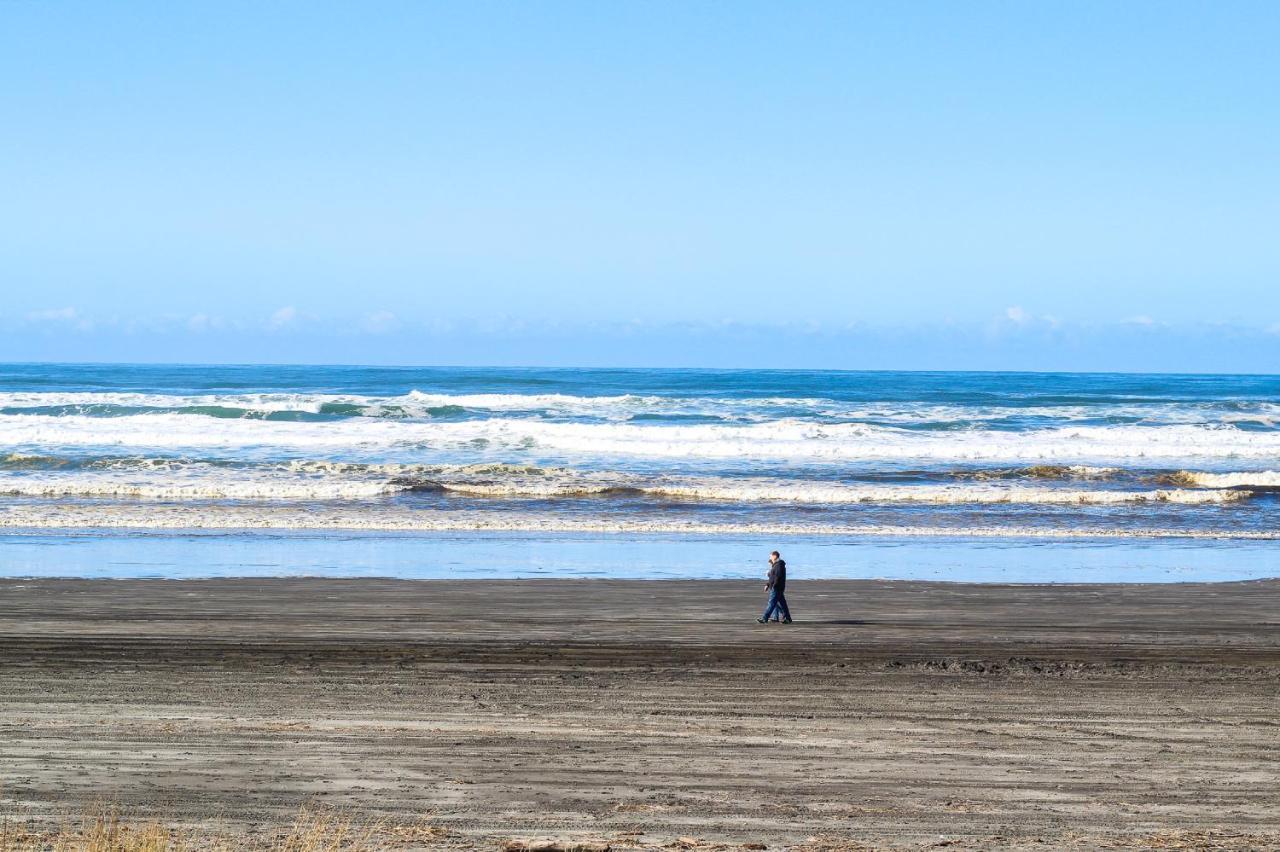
(1254, 479)
(338, 481)
(773, 442)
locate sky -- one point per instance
(982, 185)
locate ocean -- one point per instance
(191, 471)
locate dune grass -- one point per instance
(314, 830)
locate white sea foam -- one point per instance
(190, 517)
(207, 490)
(260, 402)
(948, 495)
(776, 441)
(414, 403)
(792, 491)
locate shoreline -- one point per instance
(167, 518)
(362, 578)
(891, 714)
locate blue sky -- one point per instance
(986, 185)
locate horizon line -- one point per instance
(317, 364)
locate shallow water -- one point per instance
(513, 556)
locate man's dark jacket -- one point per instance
(778, 577)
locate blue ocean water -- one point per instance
(892, 474)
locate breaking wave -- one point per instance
(781, 441)
(648, 450)
(420, 405)
(1256, 479)
(346, 481)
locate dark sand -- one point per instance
(890, 714)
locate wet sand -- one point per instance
(891, 714)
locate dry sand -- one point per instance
(637, 713)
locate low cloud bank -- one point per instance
(1016, 339)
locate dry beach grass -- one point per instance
(315, 829)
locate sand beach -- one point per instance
(647, 714)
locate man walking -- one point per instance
(776, 587)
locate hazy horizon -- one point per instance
(609, 368)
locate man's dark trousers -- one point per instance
(777, 604)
